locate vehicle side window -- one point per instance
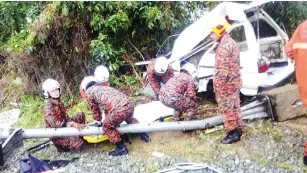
(238, 34)
(265, 30)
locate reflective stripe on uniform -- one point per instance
(300, 46)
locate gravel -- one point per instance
(268, 148)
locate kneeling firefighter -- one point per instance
(55, 116)
(117, 108)
(179, 93)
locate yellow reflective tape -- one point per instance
(300, 46)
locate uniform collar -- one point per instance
(54, 101)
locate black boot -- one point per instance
(232, 136)
(119, 150)
(305, 160)
(144, 137)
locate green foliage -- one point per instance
(152, 16)
(118, 21)
(14, 16)
(104, 53)
(287, 13)
(124, 80)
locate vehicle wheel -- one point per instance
(209, 94)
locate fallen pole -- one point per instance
(136, 128)
(260, 108)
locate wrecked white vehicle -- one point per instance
(261, 42)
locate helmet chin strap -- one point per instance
(55, 98)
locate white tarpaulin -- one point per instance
(149, 112)
(8, 118)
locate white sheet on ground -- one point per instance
(149, 112)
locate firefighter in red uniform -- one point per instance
(296, 49)
(227, 81)
(55, 116)
(179, 93)
(117, 108)
(101, 75)
(158, 71)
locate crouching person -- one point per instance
(117, 108)
(179, 93)
(55, 116)
(159, 72)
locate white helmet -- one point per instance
(86, 81)
(189, 67)
(49, 85)
(161, 65)
(101, 74)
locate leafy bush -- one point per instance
(31, 115)
(287, 13)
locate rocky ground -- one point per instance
(265, 147)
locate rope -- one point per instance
(182, 167)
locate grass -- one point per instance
(81, 106)
(31, 112)
(287, 166)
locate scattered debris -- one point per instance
(157, 154)
(217, 128)
(8, 118)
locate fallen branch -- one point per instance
(128, 59)
(137, 50)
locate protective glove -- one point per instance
(78, 126)
(144, 137)
(95, 124)
(156, 97)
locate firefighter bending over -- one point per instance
(179, 93)
(117, 108)
(159, 72)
